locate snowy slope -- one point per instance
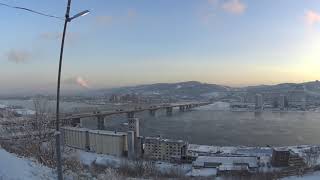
(15, 168)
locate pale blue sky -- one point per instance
(125, 42)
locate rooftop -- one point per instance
(226, 160)
(163, 140)
(113, 133)
(281, 149)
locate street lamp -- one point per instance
(58, 150)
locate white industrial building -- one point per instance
(76, 137)
(98, 141)
(108, 142)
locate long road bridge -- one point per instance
(74, 119)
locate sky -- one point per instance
(130, 42)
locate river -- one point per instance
(219, 127)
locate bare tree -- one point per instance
(41, 133)
(312, 156)
(31, 135)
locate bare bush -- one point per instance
(311, 156)
(147, 169)
(110, 174)
(72, 164)
(252, 176)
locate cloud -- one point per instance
(18, 56)
(312, 17)
(213, 7)
(124, 18)
(234, 7)
(213, 1)
(104, 20)
(131, 13)
(77, 81)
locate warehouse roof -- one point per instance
(201, 161)
(113, 133)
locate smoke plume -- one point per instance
(82, 82)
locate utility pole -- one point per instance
(58, 133)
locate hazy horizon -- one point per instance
(124, 43)
(70, 89)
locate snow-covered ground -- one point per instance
(25, 112)
(88, 158)
(313, 176)
(20, 111)
(13, 167)
(3, 106)
(16, 168)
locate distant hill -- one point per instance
(181, 89)
(197, 89)
(312, 88)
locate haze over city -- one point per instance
(236, 42)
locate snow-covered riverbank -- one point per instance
(13, 167)
(19, 110)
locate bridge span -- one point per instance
(74, 119)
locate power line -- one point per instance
(32, 11)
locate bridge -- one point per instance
(74, 119)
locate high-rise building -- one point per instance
(133, 125)
(282, 102)
(135, 150)
(297, 97)
(158, 148)
(258, 102)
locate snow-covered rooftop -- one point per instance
(204, 172)
(163, 140)
(281, 149)
(229, 167)
(210, 149)
(226, 161)
(256, 151)
(113, 133)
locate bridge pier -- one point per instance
(131, 142)
(169, 111)
(75, 122)
(100, 120)
(152, 112)
(182, 108)
(130, 114)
